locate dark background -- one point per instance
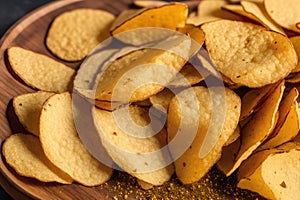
(10, 12)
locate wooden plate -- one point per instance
(30, 33)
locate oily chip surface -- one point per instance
(63, 147)
(24, 153)
(248, 54)
(40, 71)
(74, 34)
(28, 108)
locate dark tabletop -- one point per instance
(10, 12)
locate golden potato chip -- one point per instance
(62, 145)
(187, 76)
(296, 43)
(132, 144)
(149, 4)
(288, 124)
(253, 99)
(248, 54)
(234, 136)
(257, 9)
(28, 109)
(195, 33)
(273, 173)
(191, 166)
(40, 71)
(162, 99)
(284, 13)
(142, 73)
(74, 34)
(229, 153)
(168, 16)
(144, 185)
(24, 153)
(210, 10)
(238, 9)
(259, 127)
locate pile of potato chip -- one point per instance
(254, 47)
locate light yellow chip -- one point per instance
(190, 167)
(260, 126)
(248, 54)
(288, 123)
(142, 73)
(296, 43)
(162, 99)
(168, 16)
(238, 9)
(274, 173)
(28, 109)
(227, 159)
(74, 34)
(187, 76)
(210, 10)
(135, 150)
(257, 9)
(24, 153)
(63, 147)
(40, 71)
(253, 99)
(284, 13)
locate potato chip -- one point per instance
(210, 10)
(134, 150)
(296, 43)
(253, 99)
(40, 71)
(28, 109)
(143, 73)
(257, 9)
(259, 127)
(284, 13)
(144, 185)
(238, 9)
(288, 124)
(149, 4)
(24, 153)
(190, 167)
(62, 145)
(248, 54)
(234, 136)
(229, 153)
(74, 34)
(162, 99)
(168, 16)
(195, 33)
(273, 173)
(187, 76)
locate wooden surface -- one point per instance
(30, 33)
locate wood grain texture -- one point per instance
(30, 33)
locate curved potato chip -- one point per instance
(273, 173)
(168, 16)
(190, 167)
(286, 13)
(248, 54)
(162, 99)
(63, 147)
(288, 123)
(28, 109)
(257, 9)
(138, 156)
(210, 10)
(140, 74)
(259, 127)
(74, 34)
(40, 71)
(253, 99)
(24, 153)
(238, 9)
(296, 43)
